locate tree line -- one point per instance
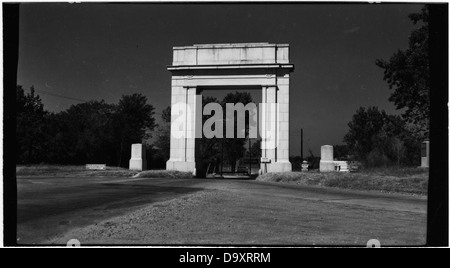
(90, 132)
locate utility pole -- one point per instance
(221, 163)
(250, 154)
(301, 143)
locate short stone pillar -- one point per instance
(305, 166)
(138, 160)
(425, 153)
(326, 159)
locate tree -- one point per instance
(255, 150)
(341, 152)
(399, 149)
(82, 134)
(379, 139)
(133, 122)
(209, 148)
(30, 136)
(165, 115)
(364, 126)
(314, 161)
(408, 74)
(163, 135)
(403, 145)
(235, 148)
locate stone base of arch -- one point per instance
(279, 167)
(185, 166)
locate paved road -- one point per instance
(51, 206)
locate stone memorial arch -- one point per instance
(260, 66)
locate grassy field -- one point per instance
(79, 171)
(390, 180)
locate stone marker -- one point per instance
(326, 159)
(425, 163)
(96, 166)
(341, 166)
(138, 160)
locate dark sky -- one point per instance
(102, 51)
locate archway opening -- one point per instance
(227, 157)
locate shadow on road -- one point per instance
(52, 201)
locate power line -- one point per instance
(58, 95)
